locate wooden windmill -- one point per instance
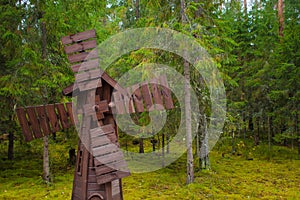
(100, 165)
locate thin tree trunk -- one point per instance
(245, 7)
(141, 146)
(198, 143)
(269, 134)
(46, 166)
(204, 157)
(258, 131)
(232, 143)
(137, 9)
(244, 126)
(221, 5)
(281, 17)
(163, 150)
(168, 146)
(297, 133)
(187, 101)
(10, 152)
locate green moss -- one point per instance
(230, 176)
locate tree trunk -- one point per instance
(297, 133)
(204, 145)
(168, 146)
(10, 152)
(232, 143)
(245, 7)
(141, 150)
(269, 134)
(257, 139)
(251, 126)
(137, 9)
(198, 143)
(187, 102)
(46, 166)
(163, 150)
(281, 17)
(244, 126)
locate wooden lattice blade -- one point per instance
(108, 158)
(146, 96)
(40, 121)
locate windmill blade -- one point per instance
(146, 96)
(40, 121)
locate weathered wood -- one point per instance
(108, 192)
(34, 123)
(63, 116)
(92, 175)
(119, 165)
(43, 119)
(79, 47)
(111, 82)
(166, 92)
(103, 130)
(87, 65)
(53, 118)
(119, 103)
(102, 150)
(111, 177)
(79, 57)
(24, 124)
(89, 75)
(102, 106)
(146, 96)
(70, 114)
(130, 100)
(93, 186)
(115, 187)
(155, 91)
(111, 157)
(79, 37)
(89, 85)
(99, 194)
(99, 141)
(68, 91)
(84, 174)
(137, 98)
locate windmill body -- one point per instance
(100, 164)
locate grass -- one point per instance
(274, 175)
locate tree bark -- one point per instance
(244, 126)
(141, 146)
(204, 157)
(10, 152)
(269, 134)
(297, 132)
(281, 17)
(187, 102)
(163, 150)
(168, 146)
(245, 7)
(137, 9)
(46, 166)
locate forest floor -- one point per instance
(251, 173)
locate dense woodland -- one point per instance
(255, 45)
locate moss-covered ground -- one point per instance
(251, 173)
